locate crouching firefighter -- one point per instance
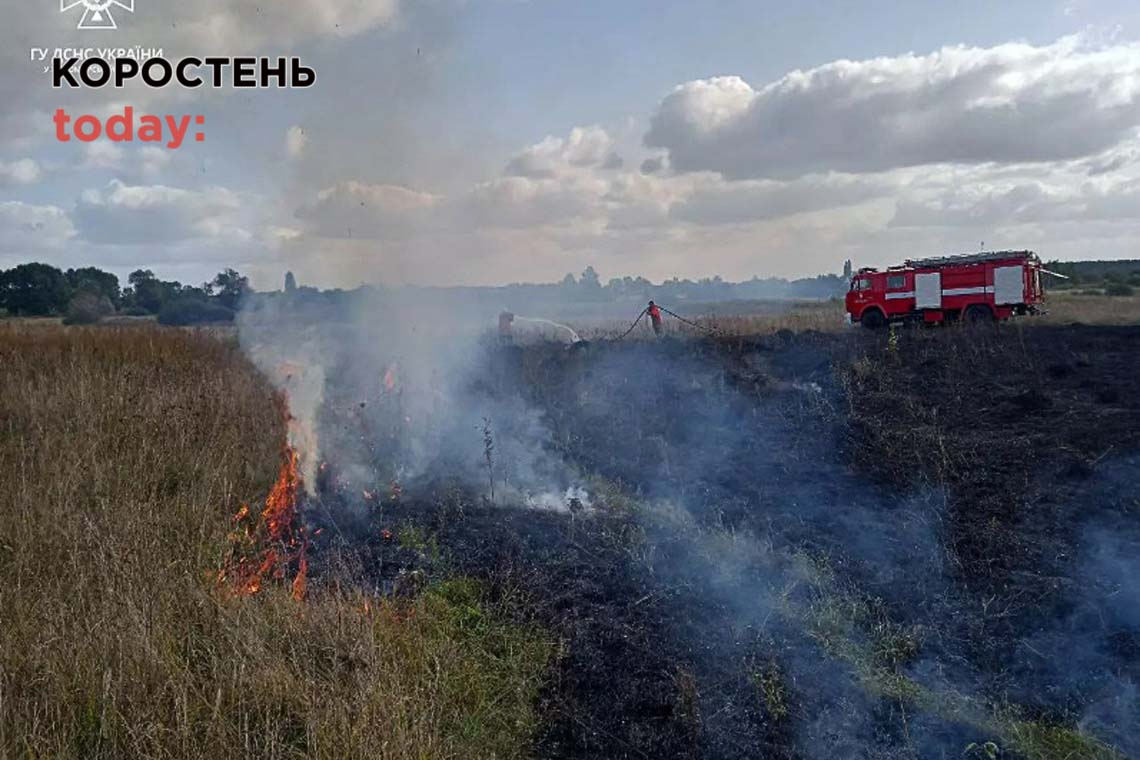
(654, 317)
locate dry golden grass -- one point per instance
(1063, 308)
(1066, 307)
(767, 317)
(826, 316)
(829, 316)
(124, 451)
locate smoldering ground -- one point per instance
(1083, 654)
(861, 576)
(734, 585)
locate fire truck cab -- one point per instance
(974, 287)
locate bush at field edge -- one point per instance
(185, 312)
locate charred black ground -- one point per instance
(805, 545)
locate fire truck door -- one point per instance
(928, 290)
(1009, 285)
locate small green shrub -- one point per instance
(1119, 289)
(88, 309)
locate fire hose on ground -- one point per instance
(678, 317)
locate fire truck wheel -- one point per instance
(873, 319)
(979, 313)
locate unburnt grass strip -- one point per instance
(125, 453)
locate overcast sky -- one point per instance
(491, 141)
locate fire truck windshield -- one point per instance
(861, 283)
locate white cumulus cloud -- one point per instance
(747, 201)
(1005, 204)
(359, 210)
(135, 214)
(26, 228)
(24, 171)
(586, 147)
(1010, 103)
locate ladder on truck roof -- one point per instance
(967, 258)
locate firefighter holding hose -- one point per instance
(654, 312)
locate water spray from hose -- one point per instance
(538, 320)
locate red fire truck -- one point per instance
(974, 287)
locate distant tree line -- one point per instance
(88, 294)
(1114, 278)
(588, 287)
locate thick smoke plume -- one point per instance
(401, 388)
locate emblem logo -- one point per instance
(97, 13)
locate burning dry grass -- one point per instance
(125, 453)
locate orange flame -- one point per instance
(300, 583)
(390, 378)
(283, 540)
(281, 504)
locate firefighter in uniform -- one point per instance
(654, 312)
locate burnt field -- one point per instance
(921, 544)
